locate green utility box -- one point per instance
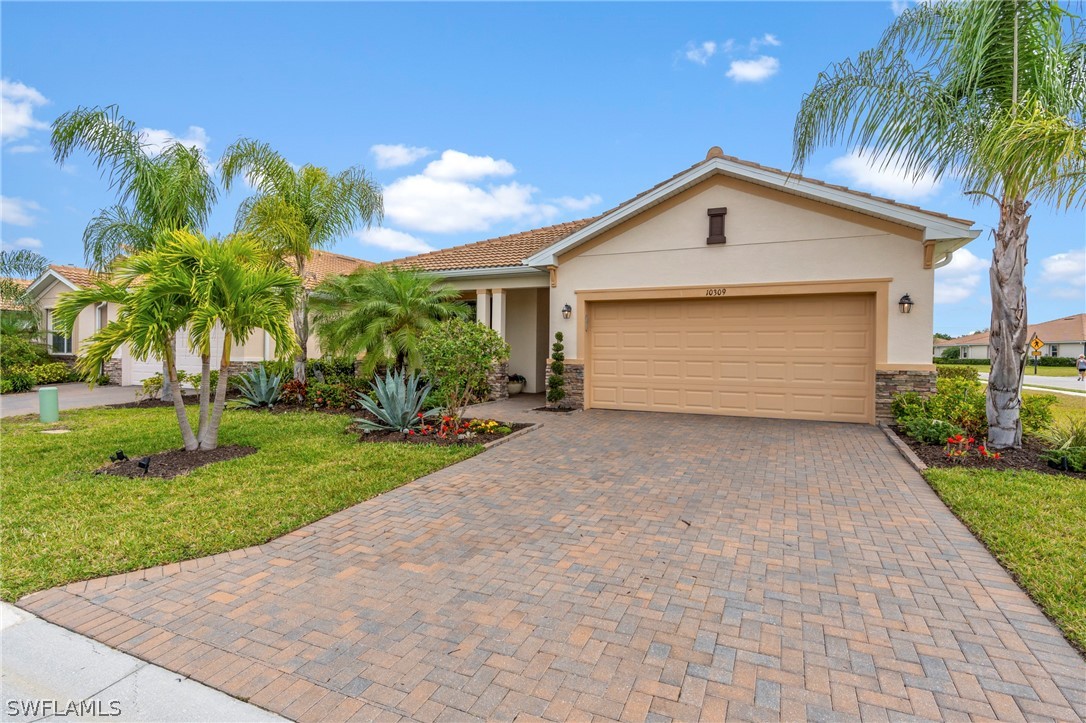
(48, 405)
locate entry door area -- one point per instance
(790, 357)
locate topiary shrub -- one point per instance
(457, 357)
(556, 381)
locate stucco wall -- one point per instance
(520, 332)
(85, 324)
(771, 237)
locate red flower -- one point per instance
(420, 415)
(410, 431)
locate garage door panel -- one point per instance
(809, 357)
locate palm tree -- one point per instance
(297, 211)
(18, 312)
(156, 193)
(188, 280)
(993, 93)
(382, 312)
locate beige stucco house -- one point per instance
(126, 369)
(1063, 337)
(730, 288)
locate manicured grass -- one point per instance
(1035, 525)
(1041, 371)
(59, 523)
(1066, 404)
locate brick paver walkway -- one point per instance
(613, 565)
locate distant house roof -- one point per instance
(1068, 328)
(323, 264)
(540, 246)
(9, 304)
(508, 250)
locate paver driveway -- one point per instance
(618, 565)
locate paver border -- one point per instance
(903, 448)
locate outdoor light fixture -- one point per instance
(145, 465)
(905, 303)
(118, 456)
(567, 312)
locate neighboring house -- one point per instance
(124, 368)
(730, 288)
(1064, 337)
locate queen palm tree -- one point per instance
(297, 211)
(188, 280)
(19, 313)
(156, 192)
(382, 312)
(993, 93)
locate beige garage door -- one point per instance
(796, 357)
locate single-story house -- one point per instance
(1064, 337)
(730, 288)
(124, 368)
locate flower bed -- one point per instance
(445, 431)
(966, 454)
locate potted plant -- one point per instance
(516, 384)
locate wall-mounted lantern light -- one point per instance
(905, 303)
(567, 312)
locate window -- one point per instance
(965, 352)
(103, 317)
(58, 343)
(1054, 349)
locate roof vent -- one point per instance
(714, 152)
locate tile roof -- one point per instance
(9, 304)
(511, 250)
(78, 275)
(325, 263)
(1068, 328)
(501, 251)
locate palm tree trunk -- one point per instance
(167, 390)
(1008, 332)
(178, 401)
(300, 313)
(211, 438)
(205, 394)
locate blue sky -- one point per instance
(486, 118)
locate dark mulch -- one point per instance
(174, 462)
(1027, 458)
(432, 439)
(552, 409)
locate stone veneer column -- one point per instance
(498, 381)
(890, 383)
(574, 385)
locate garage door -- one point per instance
(797, 357)
(187, 359)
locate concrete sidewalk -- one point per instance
(76, 395)
(46, 670)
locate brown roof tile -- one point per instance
(325, 263)
(1068, 328)
(501, 251)
(78, 275)
(9, 304)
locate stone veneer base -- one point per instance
(889, 384)
(574, 386)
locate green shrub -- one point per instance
(961, 402)
(1043, 361)
(908, 405)
(1075, 456)
(329, 369)
(53, 373)
(951, 352)
(330, 396)
(967, 362)
(16, 351)
(397, 403)
(16, 379)
(1036, 413)
(457, 356)
(556, 382)
(956, 372)
(197, 380)
(930, 431)
(1064, 433)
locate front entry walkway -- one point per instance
(619, 565)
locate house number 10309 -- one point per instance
(717, 291)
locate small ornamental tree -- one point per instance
(556, 382)
(457, 356)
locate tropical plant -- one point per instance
(930, 431)
(556, 381)
(18, 312)
(993, 93)
(158, 189)
(188, 280)
(458, 355)
(1070, 431)
(296, 211)
(382, 313)
(257, 388)
(397, 403)
(16, 379)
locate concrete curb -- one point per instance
(514, 435)
(903, 448)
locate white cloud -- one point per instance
(155, 140)
(870, 174)
(1064, 275)
(422, 203)
(753, 71)
(392, 240)
(898, 6)
(17, 104)
(579, 204)
(24, 148)
(700, 52)
(959, 280)
(27, 242)
(396, 155)
(767, 39)
(17, 211)
(457, 166)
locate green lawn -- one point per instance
(1041, 371)
(59, 523)
(1035, 525)
(1066, 405)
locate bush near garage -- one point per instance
(956, 372)
(962, 402)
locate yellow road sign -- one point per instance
(1036, 352)
(1036, 343)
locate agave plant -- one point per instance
(258, 389)
(398, 404)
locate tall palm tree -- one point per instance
(297, 211)
(993, 93)
(187, 280)
(382, 312)
(19, 313)
(156, 193)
